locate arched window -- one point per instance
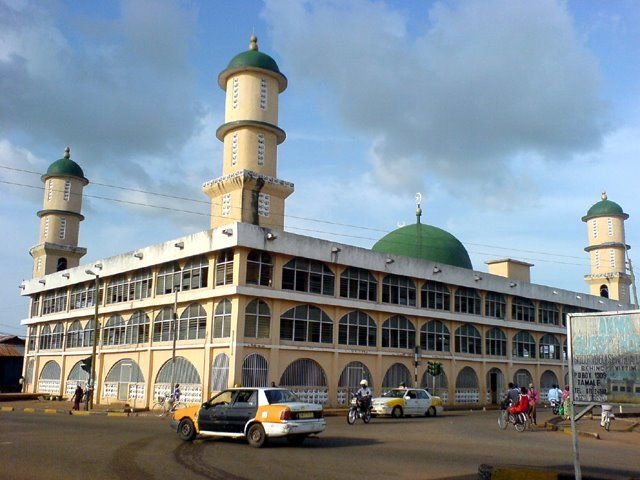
(604, 291)
(311, 276)
(54, 301)
(74, 335)
(57, 336)
(549, 347)
(121, 289)
(359, 284)
(137, 328)
(224, 267)
(114, 331)
(222, 319)
(304, 372)
(29, 373)
(437, 385)
(77, 376)
(350, 378)
(220, 372)
(468, 340)
(524, 345)
(255, 371)
(496, 342)
(357, 328)
(306, 323)
(84, 295)
(186, 375)
(396, 374)
(33, 335)
(495, 305)
(435, 296)
(398, 290)
(89, 333)
(522, 378)
(523, 309)
(548, 313)
(168, 278)
(398, 332)
(195, 273)
(45, 337)
(49, 381)
(124, 381)
(61, 265)
(193, 323)
(257, 319)
(547, 380)
(467, 300)
(163, 325)
(259, 268)
(435, 337)
(467, 390)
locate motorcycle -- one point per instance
(519, 421)
(360, 407)
(556, 406)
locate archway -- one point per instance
(467, 390)
(350, 378)
(49, 381)
(124, 381)
(547, 380)
(437, 385)
(522, 378)
(255, 371)
(77, 376)
(495, 385)
(396, 375)
(307, 378)
(186, 376)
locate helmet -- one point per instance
(364, 383)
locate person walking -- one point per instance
(77, 397)
(566, 401)
(534, 396)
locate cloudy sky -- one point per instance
(510, 117)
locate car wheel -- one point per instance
(396, 412)
(256, 436)
(296, 439)
(186, 430)
(432, 412)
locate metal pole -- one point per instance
(175, 337)
(574, 432)
(96, 337)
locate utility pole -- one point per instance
(175, 338)
(91, 387)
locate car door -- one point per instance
(424, 402)
(213, 416)
(411, 402)
(243, 409)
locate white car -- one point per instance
(407, 401)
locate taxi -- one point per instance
(256, 414)
(399, 402)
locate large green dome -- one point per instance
(252, 59)
(605, 208)
(425, 242)
(65, 167)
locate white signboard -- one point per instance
(605, 353)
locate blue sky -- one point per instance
(509, 116)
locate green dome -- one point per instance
(252, 59)
(425, 242)
(605, 208)
(65, 167)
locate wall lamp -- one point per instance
(554, 292)
(389, 261)
(335, 249)
(477, 278)
(437, 269)
(513, 284)
(22, 286)
(42, 281)
(228, 232)
(138, 255)
(179, 245)
(97, 265)
(578, 297)
(600, 301)
(66, 275)
(271, 236)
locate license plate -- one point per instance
(305, 415)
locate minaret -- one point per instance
(60, 218)
(249, 190)
(607, 251)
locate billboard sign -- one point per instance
(605, 357)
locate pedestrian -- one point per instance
(88, 393)
(21, 383)
(534, 396)
(273, 384)
(566, 401)
(77, 397)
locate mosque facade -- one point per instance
(248, 303)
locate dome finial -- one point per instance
(418, 209)
(253, 43)
(67, 153)
(603, 196)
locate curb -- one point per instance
(584, 434)
(6, 409)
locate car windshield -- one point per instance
(397, 393)
(281, 396)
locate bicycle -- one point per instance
(519, 421)
(166, 404)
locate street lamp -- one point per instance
(175, 338)
(96, 337)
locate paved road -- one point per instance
(40, 446)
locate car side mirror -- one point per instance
(205, 405)
(407, 397)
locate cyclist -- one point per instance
(522, 406)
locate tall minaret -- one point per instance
(607, 251)
(249, 190)
(60, 218)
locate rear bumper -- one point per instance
(295, 427)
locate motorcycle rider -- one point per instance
(364, 394)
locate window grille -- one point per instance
(468, 340)
(62, 232)
(46, 228)
(435, 337)
(235, 93)
(612, 258)
(357, 328)
(234, 149)
(195, 273)
(311, 276)
(138, 328)
(264, 204)
(255, 371)
(226, 205)
(122, 289)
(193, 323)
(596, 255)
(522, 378)
(437, 385)
(224, 267)
(524, 346)
(29, 373)
(397, 374)
(610, 226)
(54, 301)
(49, 190)
(304, 372)
(33, 335)
(67, 190)
(359, 284)
(263, 94)
(169, 279)
(398, 332)
(306, 323)
(49, 381)
(35, 305)
(74, 335)
(259, 268)
(163, 325)
(186, 372)
(398, 290)
(220, 372)
(114, 331)
(350, 378)
(261, 148)
(467, 390)
(257, 320)
(594, 228)
(222, 319)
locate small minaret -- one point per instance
(249, 190)
(60, 218)
(607, 251)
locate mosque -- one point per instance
(246, 302)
